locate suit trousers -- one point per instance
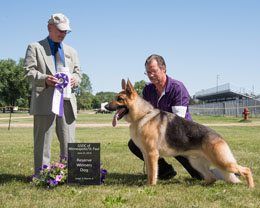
(43, 133)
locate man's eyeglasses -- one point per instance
(151, 72)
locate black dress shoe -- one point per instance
(168, 174)
(166, 171)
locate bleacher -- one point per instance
(226, 99)
(224, 92)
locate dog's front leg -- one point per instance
(152, 167)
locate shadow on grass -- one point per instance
(111, 179)
(134, 180)
(192, 182)
(6, 178)
(125, 179)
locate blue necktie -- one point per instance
(58, 60)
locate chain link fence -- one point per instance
(227, 108)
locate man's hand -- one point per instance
(72, 82)
(51, 80)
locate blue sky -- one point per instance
(199, 39)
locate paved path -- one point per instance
(95, 125)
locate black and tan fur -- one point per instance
(158, 133)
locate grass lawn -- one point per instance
(125, 185)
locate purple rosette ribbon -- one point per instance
(57, 100)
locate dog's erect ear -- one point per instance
(123, 84)
(130, 88)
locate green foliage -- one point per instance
(106, 96)
(85, 85)
(195, 101)
(14, 89)
(139, 86)
(102, 97)
(84, 93)
(84, 100)
(148, 191)
(111, 202)
(96, 102)
(53, 175)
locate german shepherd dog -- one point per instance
(159, 133)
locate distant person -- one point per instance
(169, 95)
(41, 63)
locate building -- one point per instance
(226, 99)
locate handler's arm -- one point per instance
(181, 101)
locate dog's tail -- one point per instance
(221, 156)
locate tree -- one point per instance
(106, 96)
(85, 85)
(84, 101)
(84, 93)
(194, 101)
(96, 102)
(102, 97)
(14, 89)
(139, 86)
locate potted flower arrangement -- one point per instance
(54, 175)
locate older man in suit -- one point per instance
(40, 68)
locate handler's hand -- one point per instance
(51, 80)
(72, 82)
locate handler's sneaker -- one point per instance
(166, 171)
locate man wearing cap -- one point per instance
(40, 68)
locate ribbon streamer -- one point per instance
(57, 100)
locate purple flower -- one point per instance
(103, 171)
(49, 181)
(39, 169)
(54, 182)
(103, 175)
(62, 157)
(33, 176)
(102, 179)
(53, 175)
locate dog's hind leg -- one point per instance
(229, 177)
(202, 165)
(220, 155)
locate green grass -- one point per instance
(125, 185)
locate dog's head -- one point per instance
(122, 101)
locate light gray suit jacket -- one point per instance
(38, 64)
